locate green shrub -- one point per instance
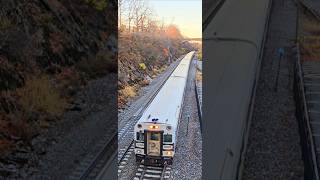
(199, 55)
(5, 23)
(45, 19)
(99, 5)
(142, 66)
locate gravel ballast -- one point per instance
(187, 163)
(273, 149)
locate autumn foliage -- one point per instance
(173, 31)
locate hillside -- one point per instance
(49, 51)
(142, 56)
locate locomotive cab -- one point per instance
(153, 144)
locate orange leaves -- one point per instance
(173, 32)
(165, 52)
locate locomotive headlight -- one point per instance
(139, 151)
(168, 153)
(154, 127)
(169, 128)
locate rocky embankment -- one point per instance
(57, 66)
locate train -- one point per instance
(233, 37)
(156, 131)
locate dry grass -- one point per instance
(145, 82)
(309, 38)
(199, 76)
(310, 47)
(35, 103)
(39, 95)
(310, 25)
(19, 127)
(5, 147)
(68, 81)
(158, 70)
(13, 128)
(128, 92)
(163, 68)
(125, 94)
(104, 62)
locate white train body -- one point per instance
(155, 133)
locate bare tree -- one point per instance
(141, 11)
(162, 28)
(130, 9)
(120, 9)
(152, 26)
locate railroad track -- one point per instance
(91, 165)
(124, 157)
(152, 172)
(305, 91)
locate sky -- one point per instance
(186, 14)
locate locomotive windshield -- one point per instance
(155, 136)
(140, 136)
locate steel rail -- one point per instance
(98, 157)
(199, 105)
(163, 172)
(143, 172)
(127, 150)
(302, 107)
(305, 114)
